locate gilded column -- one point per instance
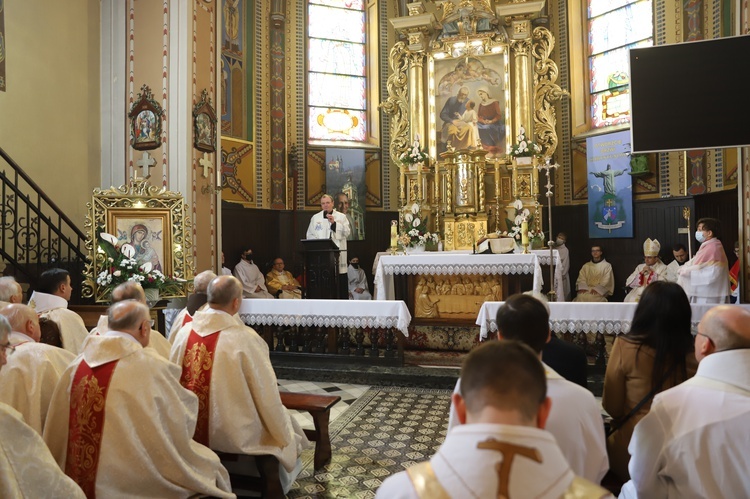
(416, 95)
(522, 83)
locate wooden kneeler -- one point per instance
(319, 407)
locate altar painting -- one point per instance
(471, 104)
(610, 186)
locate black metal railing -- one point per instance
(36, 234)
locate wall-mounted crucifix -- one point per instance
(206, 164)
(146, 163)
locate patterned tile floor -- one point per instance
(377, 432)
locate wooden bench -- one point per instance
(319, 407)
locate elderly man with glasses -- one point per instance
(694, 440)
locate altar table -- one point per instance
(462, 263)
(570, 317)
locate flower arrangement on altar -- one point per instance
(414, 231)
(525, 148)
(515, 226)
(121, 266)
(415, 154)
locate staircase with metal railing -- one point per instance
(36, 234)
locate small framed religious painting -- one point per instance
(145, 121)
(204, 124)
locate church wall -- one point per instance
(49, 115)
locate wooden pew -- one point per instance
(319, 407)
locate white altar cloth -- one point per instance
(327, 313)
(461, 263)
(605, 318)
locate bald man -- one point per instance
(10, 291)
(244, 414)
(123, 445)
(33, 370)
(694, 441)
(134, 291)
(27, 468)
(197, 300)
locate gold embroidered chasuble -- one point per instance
(245, 413)
(149, 419)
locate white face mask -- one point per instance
(560, 242)
(699, 236)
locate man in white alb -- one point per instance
(50, 301)
(331, 224)
(564, 263)
(358, 289)
(253, 282)
(694, 440)
(197, 300)
(500, 449)
(679, 251)
(595, 280)
(705, 277)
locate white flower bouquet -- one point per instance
(414, 228)
(525, 148)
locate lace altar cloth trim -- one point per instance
(326, 321)
(452, 269)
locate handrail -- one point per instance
(41, 193)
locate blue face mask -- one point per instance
(699, 236)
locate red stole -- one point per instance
(88, 395)
(187, 318)
(196, 377)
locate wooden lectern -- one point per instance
(321, 269)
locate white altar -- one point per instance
(463, 263)
(605, 318)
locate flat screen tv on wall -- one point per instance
(692, 95)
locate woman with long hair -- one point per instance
(657, 354)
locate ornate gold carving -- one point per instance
(521, 28)
(521, 47)
(396, 105)
(546, 90)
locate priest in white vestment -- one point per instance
(500, 449)
(333, 225)
(358, 288)
(244, 414)
(134, 291)
(575, 418)
(33, 370)
(564, 253)
(27, 468)
(281, 283)
(595, 280)
(197, 300)
(644, 274)
(694, 440)
(253, 282)
(137, 441)
(50, 301)
(10, 291)
(705, 277)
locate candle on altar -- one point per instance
(394, 234)
(524, 232)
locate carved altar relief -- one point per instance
(454, 296)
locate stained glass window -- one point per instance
(336, 65)
(614, 27)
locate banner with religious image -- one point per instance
(345, 181)
(610, 186)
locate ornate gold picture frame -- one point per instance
(153, 220)
(145, 121)
(204, 124)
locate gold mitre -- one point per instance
(651, 247)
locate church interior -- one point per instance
(230, 121)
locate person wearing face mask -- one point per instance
(705, 277)
(252, 279)
(357, 281)
(564, 263)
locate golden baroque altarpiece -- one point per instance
(468, 75)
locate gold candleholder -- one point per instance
(525, 249)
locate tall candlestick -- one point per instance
(524, 232)
(394, 234)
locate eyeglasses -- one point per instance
(704, 335)
(8, 348)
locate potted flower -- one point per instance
(415, 157)
(524, 150)
(414, 236)
(120, 265)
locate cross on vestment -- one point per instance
(206, 164)
(146, 163)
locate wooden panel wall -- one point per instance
(273, 233)
(655, 219)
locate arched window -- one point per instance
(337, 92)
(615, 26)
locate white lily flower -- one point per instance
(109, 238)
(416, 222)
(117, 273)
(127, 250)
(518, 204)
(146, 267)
(526, 212)
(415, 208)
(518, 220)
(408, 217)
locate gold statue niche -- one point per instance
(451, 83)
